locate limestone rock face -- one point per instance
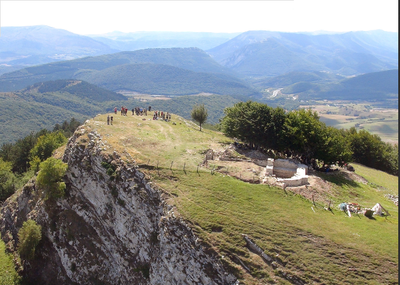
(112, 227)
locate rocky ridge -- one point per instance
(112, 227)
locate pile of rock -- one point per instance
(393, 198)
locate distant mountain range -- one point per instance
(142, 40)
(176, 71)
(263, 53)
(34, 45)
(249, 54)
(241, 66)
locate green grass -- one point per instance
(388, 182)
(319, 247)
(280, 224)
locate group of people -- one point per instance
(124, 111)
(139, 111)
(162, 115)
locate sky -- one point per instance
(99, 17)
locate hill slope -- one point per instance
(221, 208)
(166, 80)
(43, 105)
(375, 86)
(132, 185)
(290, 78)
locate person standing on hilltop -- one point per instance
(108, 119)
(112, 119)
(149, 108)
(115, 110)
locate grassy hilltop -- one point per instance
(305, 241)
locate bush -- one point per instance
(29, 237)
(50, 177)
(46, 144)
(8, 274)
(7, 180)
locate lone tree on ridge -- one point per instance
(199, 114)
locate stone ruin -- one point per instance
(287, 171)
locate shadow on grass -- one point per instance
(146, 166)
(338, 178)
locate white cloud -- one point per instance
(93, 17)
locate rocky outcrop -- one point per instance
(112, 227)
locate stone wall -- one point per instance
(287, 172)
(284, 168)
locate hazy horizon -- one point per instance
(102, 17)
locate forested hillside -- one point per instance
(192, 59)
(78, 88)
(44, 105)
(376, 86)
(294, 77)
(166, 80)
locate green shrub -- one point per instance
(7, 180)
(8, 274)
(29, 237)
(50, 177)
(46, 144)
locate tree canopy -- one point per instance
(45, 146)
(20, 160)
(7, 180)
(199, 114)
(300, 133)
